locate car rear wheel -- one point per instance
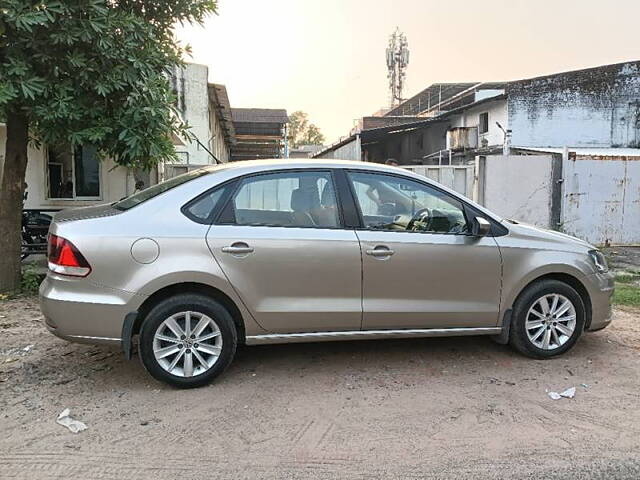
(548, 318)
(187, 340)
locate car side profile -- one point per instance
(296, 251)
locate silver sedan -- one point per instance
(283, 251)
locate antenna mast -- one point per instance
(397, 62)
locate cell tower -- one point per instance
(397, 62)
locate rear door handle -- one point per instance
(380, 251)
(238, 248)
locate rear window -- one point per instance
(144, 195)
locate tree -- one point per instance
(85, 72)
(313, 136)
(301, 132)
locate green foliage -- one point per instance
(313, 136)
(628, 277)
(301, 132)
(627, 289)
(96, 71)
(31, 279)
(628, 295)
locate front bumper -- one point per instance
(600, 287)
(79, 311)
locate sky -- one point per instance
(327, 57)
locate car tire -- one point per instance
(541, 334)
(173, 324)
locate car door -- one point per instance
(280, 242)
(421, 268)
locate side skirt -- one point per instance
(367, 335)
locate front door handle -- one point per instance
(380, 251)
(238, 248)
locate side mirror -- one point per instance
(480, 227)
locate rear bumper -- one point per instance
(79, 311)
(600, 287)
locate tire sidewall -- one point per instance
(177, 304)
(519, 336)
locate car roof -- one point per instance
(278, 163)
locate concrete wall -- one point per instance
(598, 107)
(519, 187)
(601, 200)
(190, 84)
(348, 151)
(458, 178)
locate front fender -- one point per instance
(520, 269)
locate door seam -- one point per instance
(361, 280)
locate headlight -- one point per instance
(599, 260)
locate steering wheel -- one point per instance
(418, 216)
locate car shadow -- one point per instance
(105, 368)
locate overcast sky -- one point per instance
(327, 57)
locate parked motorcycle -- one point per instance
(35, 226)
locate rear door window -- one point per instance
(288, 199)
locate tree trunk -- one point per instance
(11, 197)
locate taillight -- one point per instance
(65, 258)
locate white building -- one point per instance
(60, 178)
(591, 108)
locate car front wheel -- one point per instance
(187, 340)
(548, 318)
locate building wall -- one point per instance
(115, 182)
(497, 113)
(190, 84)
(217, 144)
(348, 151)
(598, 107)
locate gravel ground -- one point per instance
(430, 408)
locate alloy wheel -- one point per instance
(187, 344)
(550, 321)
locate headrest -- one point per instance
(328, 197)
(303, 200)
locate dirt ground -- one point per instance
(429, 408)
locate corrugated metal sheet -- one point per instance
(259, 115)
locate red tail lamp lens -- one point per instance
(66, 259)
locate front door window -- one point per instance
(401, 204)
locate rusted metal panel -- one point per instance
(462, 138)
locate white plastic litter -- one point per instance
(28, 348)
(73, 425)
(568, 393)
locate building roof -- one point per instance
(260, 115)
(440, 94)
(218, 95)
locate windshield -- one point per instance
(144, 195)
